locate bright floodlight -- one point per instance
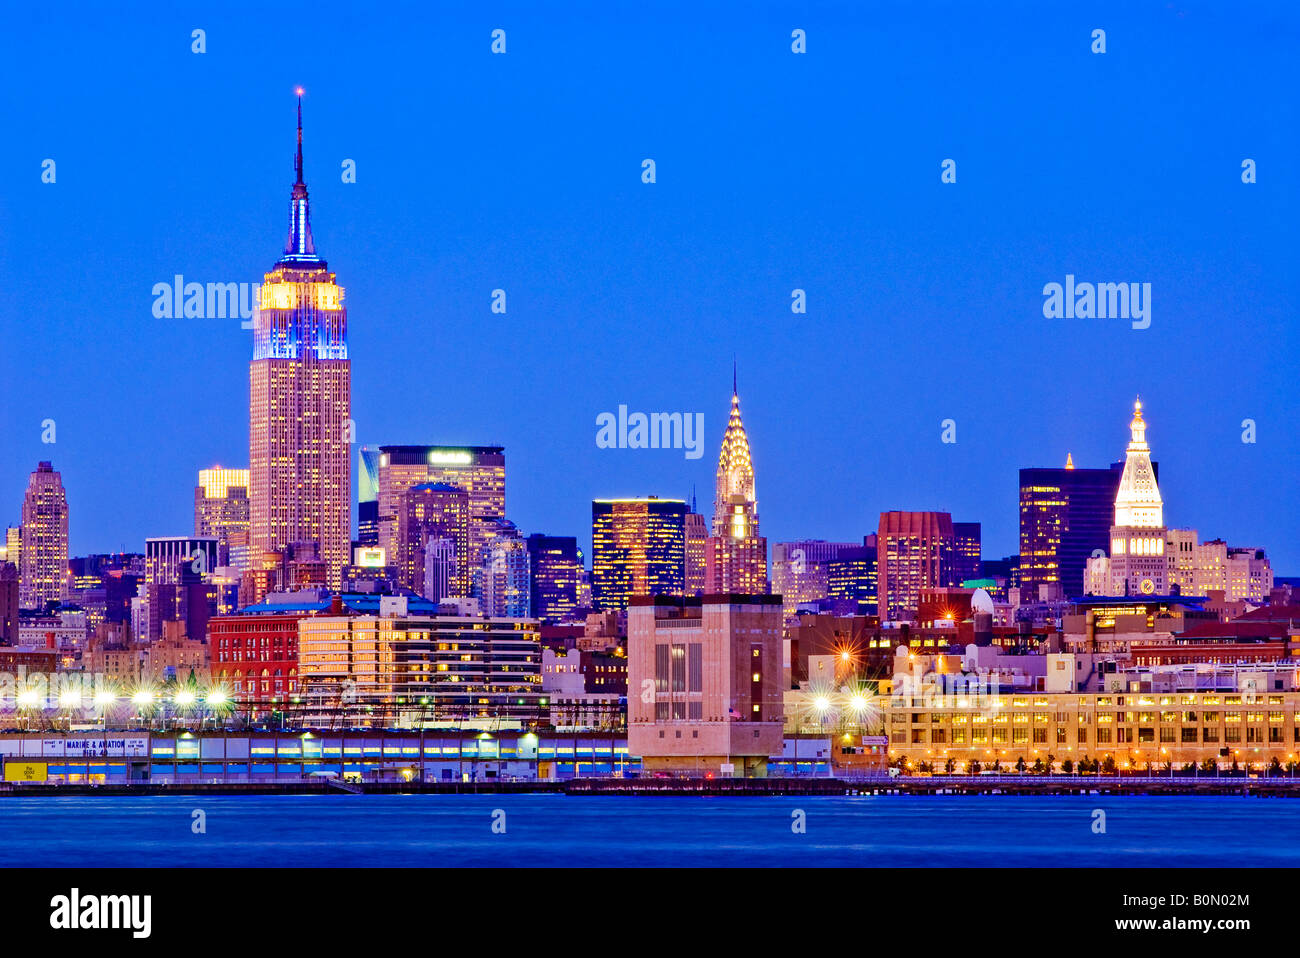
(70, 699)
(216, 697)
(143, 697)
(28, 698)
(184, 698)
(103, 698)
(859, 703)
(821, 703)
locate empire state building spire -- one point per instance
(299, 248)
(300, 405)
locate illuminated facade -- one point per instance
(736, 559)
(14, 545)
(408, 669)
(851, 576)
(1065, 517)
(714, 663)
(1138, 563)
(254, 654)
(221, 510)
(502, 583)
(479, 470)
(167, 557)
(43, 553)
(1212, 717)
(638, 547)
(555, 572)
(368, 496)
(914, 551)
(801, 570)
(300, 388)
(697, 550)
(441, 570)
(966, 551)
(1199, 568)
(431, 513)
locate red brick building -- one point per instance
(254, 653)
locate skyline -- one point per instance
(815, 384)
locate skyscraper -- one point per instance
(801, 569)
(168, 558)
(221, 510)
(851, 575)
(9, 603)
(479, 470)
(555, 570)
(966, 552)
(368, 497)
(914, 550)
(441, 569)
(14, 545)
(697, 549)
(1138, 562)
(638, 547)
(43, 554)
(1065, 516)
(502, 583)
(736, 560)
(300, 401)
(432, 512)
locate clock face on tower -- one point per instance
(1147, 587)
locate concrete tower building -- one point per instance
(697, 549)
(300, 401)
(221, 510)
(709, 677)
(43, 554)
(1138, 563)
(914, 551)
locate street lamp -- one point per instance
(142, 699)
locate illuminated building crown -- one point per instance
(735, 480)
(1137, 503)
(299, 249)
(300, 306)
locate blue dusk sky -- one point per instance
(775, 171)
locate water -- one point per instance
(560, 830)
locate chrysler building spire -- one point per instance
(736, 560)
(735, 480)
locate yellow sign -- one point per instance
(25, 771)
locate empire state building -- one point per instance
(300, 389)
